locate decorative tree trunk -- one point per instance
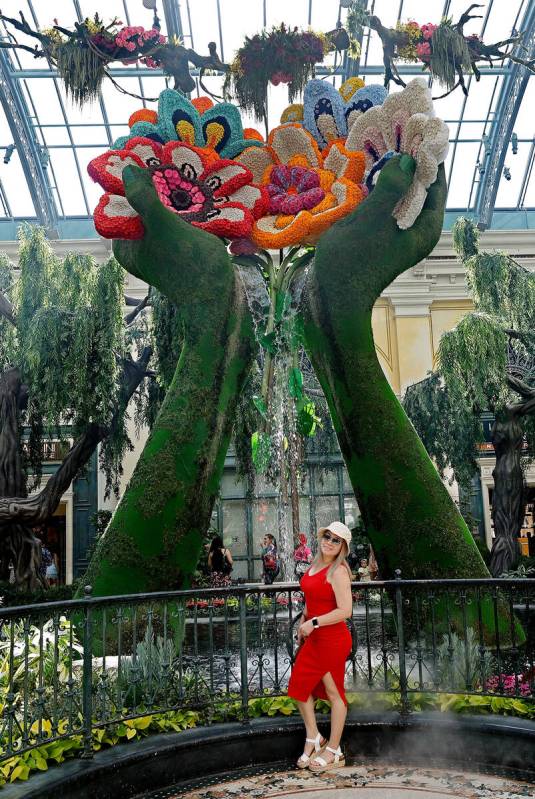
(410, 518)
(508, 495)
(19, 547)
(154, 538)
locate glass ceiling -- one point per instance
(63, 138)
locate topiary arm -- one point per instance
(409, 516)
(154, 539)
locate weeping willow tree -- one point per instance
(487, 363)
(66, 370)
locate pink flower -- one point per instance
(428, 30)
(507, 684)
(424, 51)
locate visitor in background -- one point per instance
(373, 565)
(302, 556)
(319, 668)
(219, 563)
(270, 559)
(364, 571)
(52, 570)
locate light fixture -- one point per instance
(150, 4)
(10, 149)
(345, 3)
(514, 143)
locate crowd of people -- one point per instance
(220, 563)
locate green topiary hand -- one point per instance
(154, 539)
(408, 514)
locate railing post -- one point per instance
(403, 685)
(87, 678)
(243, 657)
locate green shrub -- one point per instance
(12, 597)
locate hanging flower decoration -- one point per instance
(282, 55)
(307, 191)
(212, 193)
(178, 119)
(405, 123)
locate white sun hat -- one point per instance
(339, 529)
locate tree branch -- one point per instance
(526, 392)
(33, 510)
(138, 307)
(6, 309)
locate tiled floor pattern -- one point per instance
(360, 782)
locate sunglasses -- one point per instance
(332, 539)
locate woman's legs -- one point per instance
(306, 709)
(338, 715)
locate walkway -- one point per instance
(360, 782)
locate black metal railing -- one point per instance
(70, 668)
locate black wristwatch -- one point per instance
(315, 622)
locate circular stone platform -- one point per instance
(356, 782)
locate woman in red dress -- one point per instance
(319, 667)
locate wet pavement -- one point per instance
(358, 782)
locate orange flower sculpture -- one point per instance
(308, 190)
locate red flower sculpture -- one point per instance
(205, 190)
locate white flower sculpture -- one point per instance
(405, 123)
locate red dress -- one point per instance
(326, 648)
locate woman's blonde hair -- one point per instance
(338, 561)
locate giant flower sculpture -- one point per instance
(308, 191)
(212, 193)
(404, 123)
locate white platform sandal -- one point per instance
(320, 764)
(319, 742)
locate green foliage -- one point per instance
(167, 335)
(449, 53)
(7, 333)
(472, 359)
(448, 432)
(11, 596)
(20, 767)
(40, 656)
(69, 332)
(261, 450)
(484, 551)
(460, 663)
(465, 238)
(357, 17)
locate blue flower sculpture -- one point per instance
(328, 117)
(219, 127)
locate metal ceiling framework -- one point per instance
(30, 152)
(508, 106)
(31, 143)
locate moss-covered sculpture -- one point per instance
(410, 517)
(154, 538)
